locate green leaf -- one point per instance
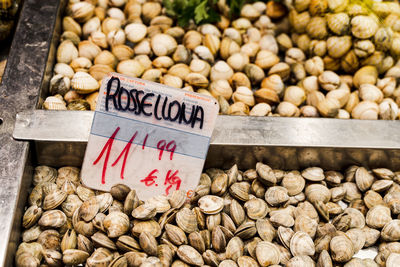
(201, 12)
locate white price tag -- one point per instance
(151, 137)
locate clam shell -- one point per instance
(357, 237)
(127, 243)
(363, 27)
(83, 83)
(294, 183)
(305, 224)
(267, 253)
(53, 218)
(54, 199)
(256, 208)
(357, 218)
(31, 216)
(54, 103)
(317, 192)
(393, 260)
(116, 224)
(211, 204)
(66, 52)
(302, 244)
(101, 257)
(186, 220)
(101, 240)
(276, 195)
(378, 216)
(148, 243)
(189, 255)
(285, 235)
(89, 209)
(247, 261)
(313, 174)
(341, 248)
(391, 231)
(176, 235)
(265, 230)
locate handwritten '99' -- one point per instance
(171, 177)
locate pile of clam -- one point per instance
(252, 65)
(259, 217)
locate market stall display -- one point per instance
(275, 191)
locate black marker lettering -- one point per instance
(132, 95)
(144, 105)
(183, 114)
(163, 109)
(109, 96)
(156, 108)
(198, 118)
(171, 105)
(139, 110)
(122, 91)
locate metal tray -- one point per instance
(59, 140)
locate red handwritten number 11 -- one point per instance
(162, 145)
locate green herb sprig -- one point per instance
(201, 11)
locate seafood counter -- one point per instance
(255, 217)
(300, 58)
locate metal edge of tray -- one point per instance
(19, 91)
(74, 126)
(287, 143)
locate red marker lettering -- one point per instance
(107, 146)
(149, 180)
(125, 152)
(171, 148)
(161, 146)
(144, 142)
(172, 180)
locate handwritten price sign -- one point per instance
(149, 136)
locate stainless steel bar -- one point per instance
(287, 143)
(74, 126)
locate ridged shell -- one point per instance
(265, 230)
(302, 244)
(338, 23)
(341, 248)
(267, 253)
(357, 237)
(317, 192)
(211, 204)
(256, 208)
(357, 218)
(313, 174)
(294, 183)
(276, 195)
(31, 216)
(363, 27)
(189, 255)
(53, 218)
(54, 199)
(378, 216)
(116, 224)
(391, 231)
(83, 83)
(186, 220)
